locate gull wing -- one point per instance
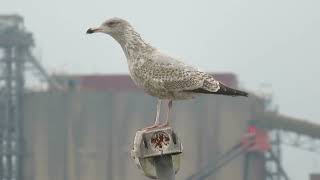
(165, 72)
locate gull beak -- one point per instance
(94, 30)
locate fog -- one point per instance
(263, 42)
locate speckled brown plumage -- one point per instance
(159, 74)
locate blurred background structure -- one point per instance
(81, 126)
(16, 57)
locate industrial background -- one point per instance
(79, 127)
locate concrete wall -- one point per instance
(87, 135)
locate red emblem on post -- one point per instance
(160, 141)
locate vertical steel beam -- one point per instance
(6, 159)
(277, 151)
(17, 143)
(11, 157)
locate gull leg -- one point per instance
(157, 117)
(157, 121)
(166, 124)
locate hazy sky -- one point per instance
(276, 42)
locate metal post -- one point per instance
(157, 153)
(164, 167)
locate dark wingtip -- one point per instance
(245, 94)
(90, 31)
(225, 90)
(241, 93)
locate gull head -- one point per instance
(111, 26)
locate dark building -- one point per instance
(87, 131)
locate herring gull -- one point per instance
(159, 74)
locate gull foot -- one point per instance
(164, 125)
(149, 128)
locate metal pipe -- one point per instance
(164, 167)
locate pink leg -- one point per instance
(166, 124)
(157, 118)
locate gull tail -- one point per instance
(223, 90)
